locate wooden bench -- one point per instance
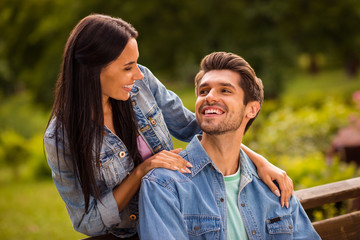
(346, 226)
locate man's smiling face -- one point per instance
(219, 106)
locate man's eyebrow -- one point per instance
(203, 85)
(227, 85)
(221, 84)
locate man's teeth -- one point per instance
(213, 111)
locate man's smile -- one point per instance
(211, 111)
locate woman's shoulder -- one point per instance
(54, 133)
(51, 128)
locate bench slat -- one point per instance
(329, 193)
(342, 227)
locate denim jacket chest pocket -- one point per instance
(115, 164)
(280, 227)
(151, 121)
(202, 226)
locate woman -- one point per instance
(104, 124)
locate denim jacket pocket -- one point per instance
(158, 133)
(111, 169)
(280, 227)
(200, 226)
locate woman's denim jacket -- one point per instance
(160, 113)
(173, 205)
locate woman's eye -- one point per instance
(127, 69)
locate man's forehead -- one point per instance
(220, 77)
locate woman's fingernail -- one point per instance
(189, 164)
(176, 168)
(282, 204)
(187, 170)
(287, 204)
(277, 193)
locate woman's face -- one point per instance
(118, 77)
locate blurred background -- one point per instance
(307, 54)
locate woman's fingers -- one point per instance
(286, 187)
(177, 150)
(272, 186)
(288, 193)
(269, 173)
(170, 160)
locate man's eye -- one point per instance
(203, 92)
(226, 91)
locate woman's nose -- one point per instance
(139, 75)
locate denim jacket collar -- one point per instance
(199, 159)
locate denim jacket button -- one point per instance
(153, 122)
(196, 228)
(122, 154)
(253, 232)
(290, 227)
(243, 204)
(221, 199)
(133, 217)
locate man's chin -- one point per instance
(213, 131)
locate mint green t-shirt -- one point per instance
(235, 225)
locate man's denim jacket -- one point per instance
(178, 206)
(160, 113)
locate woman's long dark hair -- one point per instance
(95, 42)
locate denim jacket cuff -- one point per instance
(109, 210)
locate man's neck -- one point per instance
(223, 150)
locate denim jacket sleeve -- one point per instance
(303, 227)
(180, 121)
(160, 215)
(100, 216)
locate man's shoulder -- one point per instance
(165, 177)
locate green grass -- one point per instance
(33, 210)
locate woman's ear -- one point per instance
(252, 108)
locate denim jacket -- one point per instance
(180, 206)
(160, 113)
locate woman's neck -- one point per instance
(108, 117)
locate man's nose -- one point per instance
(211, 97)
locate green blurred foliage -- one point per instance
(296, 136)
(23, 156)
(301, 131)
(19, 113)
(22, 124)
(13, 151)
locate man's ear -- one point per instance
(252, 108)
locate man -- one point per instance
(222, 197)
